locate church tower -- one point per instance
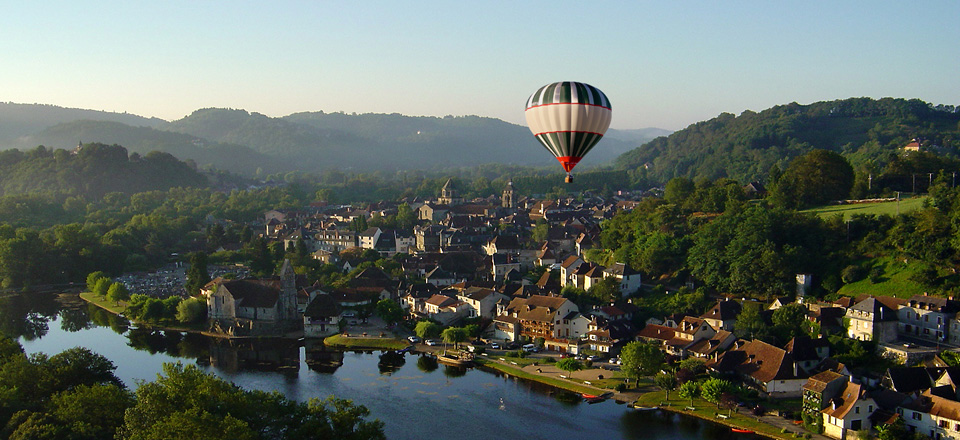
(448, 194)
(287, 303)
(507, 199)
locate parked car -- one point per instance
(531, 348)
(413, 339)
(494, 345)
(512, 346)
(593, 358)
(565, 355)
(430, 342)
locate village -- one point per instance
(472, 266)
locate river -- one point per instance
(415, 397)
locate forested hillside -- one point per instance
(142, 140)
(746, 147)
(248, 142)
(95, 170)
(18, 120)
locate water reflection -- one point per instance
(410, 397)
(266, 354)
(426, 363)
(321, 358)
(27, 316)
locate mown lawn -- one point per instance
(889, 208)
(372, 343)
(517, 372)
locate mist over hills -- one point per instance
(244, 142)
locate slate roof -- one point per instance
(723, 310)
(803, 348)
(253, 293)
(880, 311)
(322, 306)
(909, 379)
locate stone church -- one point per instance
(265, 307)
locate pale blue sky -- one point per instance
(663, 64)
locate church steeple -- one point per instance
(507, 200)
(448, 194)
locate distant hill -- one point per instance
(745, 147)
(18, 120)
(244, 142)
(142, 140)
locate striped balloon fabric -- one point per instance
(568, 118)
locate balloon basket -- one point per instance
(568, 179)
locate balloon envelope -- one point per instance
(568, 118)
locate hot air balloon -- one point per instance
(568, 118)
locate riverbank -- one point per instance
(768, 425)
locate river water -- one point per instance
(415, 397)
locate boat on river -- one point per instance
(455, 359)
(741, 430)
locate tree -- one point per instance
(191, 310)
(815, 178)
(750, 323)
(389, 311)
(788, 320)
(695, 365)
(197, 275)
(690, 390)
(712, 389)
(606, 291)
(118, 292)
(667, 382)
(426, 329)
(640, 359)
(405, 216)
(185, 402)
(93, 278)
(569, 364)
(454, 335)
(91, 411)
(102, 287)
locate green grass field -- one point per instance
(366, 342)
(889, 208)
(894, 280)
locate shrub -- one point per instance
(621, 387)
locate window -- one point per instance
(916, 416)
(856, 410)
(942, 424)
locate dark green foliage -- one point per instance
(389, 311)
(96, 170)
(198, 275)
(640, 359)
(747, 147)
(815, 178)
(758, 251)
(187, 403)
(569, 364)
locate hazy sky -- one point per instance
(662, 64)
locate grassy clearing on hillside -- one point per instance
(894, 280)
(889, 208)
